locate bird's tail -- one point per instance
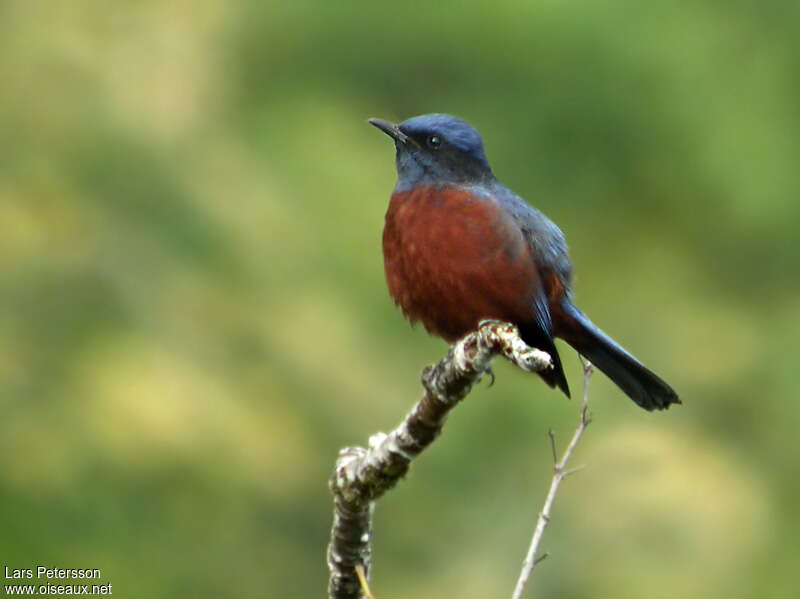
(640, 384)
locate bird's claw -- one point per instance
(490, 372)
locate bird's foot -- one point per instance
(486, 321)
(490, 372)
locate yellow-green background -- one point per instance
(193, 317)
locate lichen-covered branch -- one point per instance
(362, 475)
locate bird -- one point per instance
(459, 248)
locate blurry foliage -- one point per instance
(194, 318)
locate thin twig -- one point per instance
(559, 474)
(552, 435)
(541, 558)
(362, 580)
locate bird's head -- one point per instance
(436, 149)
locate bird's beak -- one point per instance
(391, 130)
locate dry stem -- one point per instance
(559, 474)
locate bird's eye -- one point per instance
(434, 141)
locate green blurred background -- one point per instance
(193, 317)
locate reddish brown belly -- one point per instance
(453, 259)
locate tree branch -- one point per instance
(362, 475)
(559, 474)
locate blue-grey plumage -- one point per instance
(460, 247)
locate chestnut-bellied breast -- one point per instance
(459, 247)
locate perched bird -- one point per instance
(459, 247)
